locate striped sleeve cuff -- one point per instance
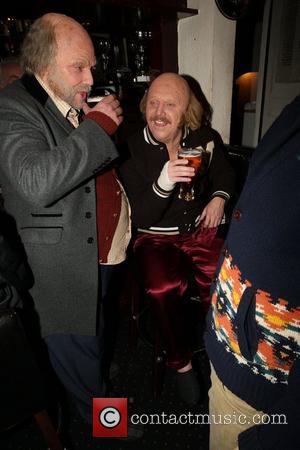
(221, 194)
(163, 187)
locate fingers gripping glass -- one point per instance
(194, 157)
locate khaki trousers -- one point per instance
(229, 416)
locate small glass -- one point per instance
(93, 100)
(194, 157)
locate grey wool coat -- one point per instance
(47, 175)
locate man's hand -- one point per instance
(110, 106)
(178, 171)
(213, 213)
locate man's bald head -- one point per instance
(41, 43)
(170, 81)
(64, 26)
(166, 103)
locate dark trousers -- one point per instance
(76, 361)
(111, 276)
(166, 264)
(81, 363)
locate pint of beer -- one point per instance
(194, 157)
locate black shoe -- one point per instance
(188, 387)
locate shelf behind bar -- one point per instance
(186, 12)
(176, 5)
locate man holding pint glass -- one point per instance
(176, 211)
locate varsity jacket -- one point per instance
(156, 209)
(253, 327)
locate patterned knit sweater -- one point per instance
(253, 335)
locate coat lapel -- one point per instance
(34, 88)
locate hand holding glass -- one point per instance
(194, 157)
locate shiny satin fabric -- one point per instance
(166, 264)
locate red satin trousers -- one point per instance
(166, 264)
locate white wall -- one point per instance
(206, 52)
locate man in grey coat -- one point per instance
(48, 162)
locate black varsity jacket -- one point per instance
(160, 211)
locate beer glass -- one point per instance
(194, 157)
(93, 100)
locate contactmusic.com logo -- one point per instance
(110, 417)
